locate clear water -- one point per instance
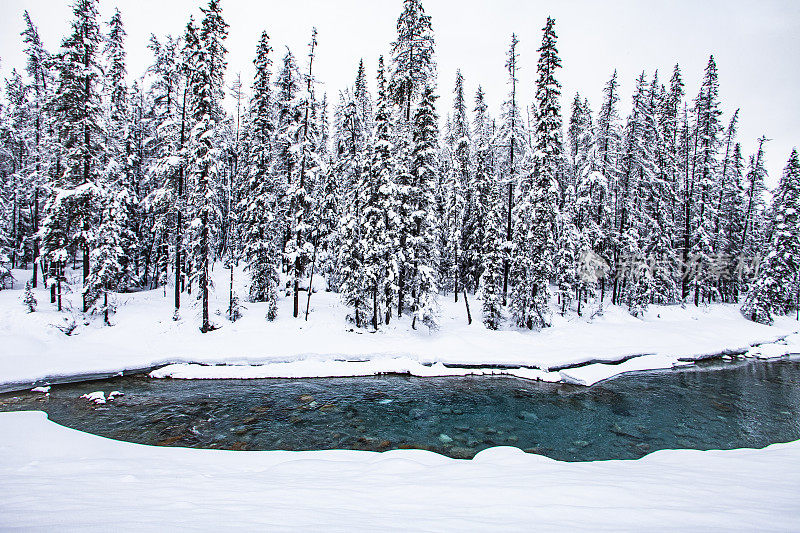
(713, 406)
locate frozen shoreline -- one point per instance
(579, 350)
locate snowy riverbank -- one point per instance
(54, 477)
(33, 349)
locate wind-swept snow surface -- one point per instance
(52, 477)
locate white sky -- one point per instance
(756, 45)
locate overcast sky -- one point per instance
(756, 46)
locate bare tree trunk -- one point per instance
(35, 231)
(311, 279)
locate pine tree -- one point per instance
(483, 180)
(568, 249)
(413, 65)
(468, 264)
(608, 140)
(379, 215)
(169, 124)
(657, 195)
(107, 256)
(288, 129)
(491, 283)
(29, 299)
(729, 197)
(203, 153)
(754, 201)
(353, 139)
(77, 107)
(299, 247)
(534, 242)
(705, 166)
(261, 229)
(734, 217)
(514, 158)
(118, 174)
(422, 220)
(213, 32)
(774, 291)
(38, 60)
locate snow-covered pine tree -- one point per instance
(118, 174)
(734, 216)
(422, 234)
(536, 213)
(412, 70)
(491, 282)
(482, 180)
(363, 100)
(299, 248)
(608, 140)
(170, 92)
(202, 153)
(14, 139)
(774, 291)
(705, 167)
(468, 260)
(591, 187)
(633, 284)
(108, 257)
(514, 154)
(455, 181)
(413, 65)
(379, 219)
(353, 285)
(213, 32)
(78, 113)
(753, 223)
(288, 129)
(657, 195)
(37, 66)
(486, 206)
(29, 299)
(354, 118)
(261, 225)
(728, 192)
(669, 129)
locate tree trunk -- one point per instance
(60, 270)
(178, 261)
(375, 308)
(230, 296)
(85, 271)
(35, 231)
(204, 273)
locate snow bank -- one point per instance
(34, 350)
(52, 477)
(788, 346)
(333, 368)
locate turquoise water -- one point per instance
(712, 406)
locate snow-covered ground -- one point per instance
(54, 478)
(33, 349)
